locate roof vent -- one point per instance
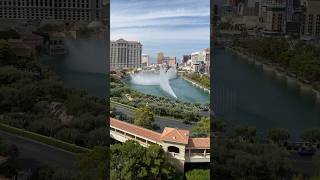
(173, 137)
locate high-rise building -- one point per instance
(75, 11)
(160, 58)
(145, 60)
(125, 54)
(312, 18)
(172, 61)
(186, 58)
(273, 15)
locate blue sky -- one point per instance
(175, 27)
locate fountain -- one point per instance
(162, 79)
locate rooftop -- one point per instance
(140, 131)
(168, 134)
(175, 135)
(203, 143)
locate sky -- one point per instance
(174, 27)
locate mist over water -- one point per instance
(84, 67)
(86, 55)
(151, 78)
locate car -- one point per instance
(307, 151)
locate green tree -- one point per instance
(316, 162)
(202, 128)
(130, 160)
(94, 164)
(278, 135)
(144, 117)
(311, 135)
(247, 133)
(218, 125)
(127, 161)
(97, 136)
(198, 174)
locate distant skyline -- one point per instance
(174, 27)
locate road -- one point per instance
(162, 122)
(33, 154)
(303, 164)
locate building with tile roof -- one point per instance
(178, 145)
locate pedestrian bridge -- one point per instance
(175, 142)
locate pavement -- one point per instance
(162, 122)
(303, 164)
(33, 154)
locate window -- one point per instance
(173, 149)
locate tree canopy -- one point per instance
(144, 117)
(129, 161)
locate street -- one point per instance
(33, 154)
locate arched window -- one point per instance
(173, 149)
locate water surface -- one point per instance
(245, 94)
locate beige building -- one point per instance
(200, 61)
(179, 147)
(145, 60)
(312, 18)
(273, 16)
(160, 58)
(125, 54)
(65, 10)
(56, 44)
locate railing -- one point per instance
(126, 137)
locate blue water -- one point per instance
(245, 94)
(184, 91)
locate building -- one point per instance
(160, 58)
(125, 54)
(20, 48)
(73, 11)
(205, 57)
(194, 57)
(273, 16)
(145, 60)
(172, 61)
(180, 148)
(200, 61)
(312, 18)
(186, 58)
(56, 44)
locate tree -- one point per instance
(247, 133)
(144, 117)
(235, 159)
(130, 160)
(198, 174)
(9, 34)
(98, 137)
(202, 128)
(94, 164)
(127, 161)
(158, 166)
(218, 125)
(311, 135)
(316, 162)
(278, 135)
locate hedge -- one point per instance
(43, 139)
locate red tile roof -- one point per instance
(199, 143)
(137, 130)
(168, 134)
(175, 135)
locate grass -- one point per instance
(43, 139)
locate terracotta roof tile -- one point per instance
(137, 130)
(175, 135)
(199, 143)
